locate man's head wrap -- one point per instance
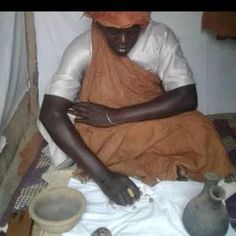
(120, 19)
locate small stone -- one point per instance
(151, 199)
(101, 232)
(130, 192)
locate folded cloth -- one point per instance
(158, 212)
(58, 178)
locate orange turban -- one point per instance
(120, 19)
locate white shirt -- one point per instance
(156, 50)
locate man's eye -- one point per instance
(134, 31)
(113, 32)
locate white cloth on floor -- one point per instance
(230, 188)
(58, 178)
(162, 216)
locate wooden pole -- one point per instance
(32, 65)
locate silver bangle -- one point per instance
(109, 119)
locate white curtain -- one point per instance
(54, 31)
(13, 61)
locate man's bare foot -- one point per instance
(230, 178)
(182, 173)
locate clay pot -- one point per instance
(206, 214)
(57, 210)
(211, 179)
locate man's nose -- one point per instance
(123, 38)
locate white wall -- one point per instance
(213, 62)
(54, 31)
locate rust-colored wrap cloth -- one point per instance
(151, 149)
(120, 19)
(222, 23)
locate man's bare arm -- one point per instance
(54, 117)
(176, 101)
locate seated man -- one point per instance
(134, 99)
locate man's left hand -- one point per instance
(90, 113)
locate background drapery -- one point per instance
(13, 61)
(222, 23)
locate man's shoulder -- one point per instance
(163, 31)
(82, 40)
(159, 27)
(79, 48)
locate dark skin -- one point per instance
(121, 41)
(54, 117)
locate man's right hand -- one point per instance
(119, 189)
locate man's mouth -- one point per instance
(122, 49)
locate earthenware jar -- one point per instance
(206, 214)
(210, 179)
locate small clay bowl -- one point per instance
(57, 210)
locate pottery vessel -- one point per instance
(206, 214)
(210, 179)
(57, 210)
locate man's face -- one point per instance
(119, 40)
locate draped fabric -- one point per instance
(151, 149)
(222, 23)
(120, 19)
(13, 59)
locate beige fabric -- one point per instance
(147, 149)
(58, 178)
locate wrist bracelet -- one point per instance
(109, 119)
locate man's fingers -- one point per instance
(80, 114)
(78, 109)
(79, 119)
(119, 199)
(83, 106)
(82, 120)
(73, 111)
